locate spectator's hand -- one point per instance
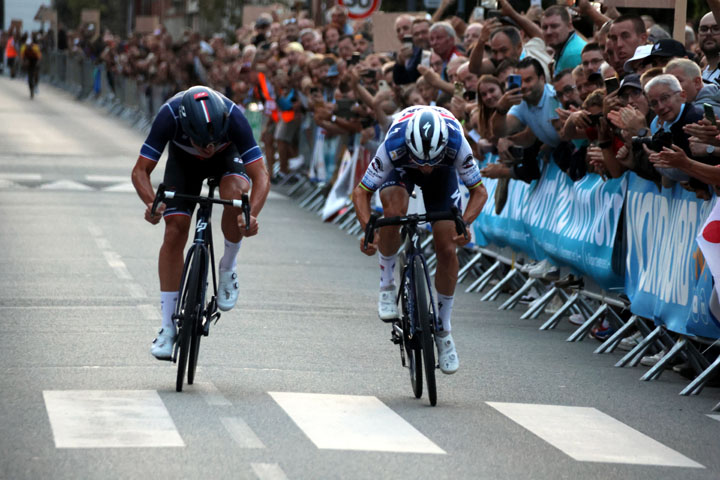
(624, 157)
(697, 148)
(673, 157)
(578, 119)
(155, 219)
(594, 157)
(457, 107)
(505, 8)
(503, 146)
(564, 114)
(430, 75)
(704, 130)
(612, 102)
(488, 27)
(628, 118)
(495, 170)
(367, 134)
(510, 98)
(605, 133)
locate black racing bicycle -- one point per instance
(194, 311)
(415, 329)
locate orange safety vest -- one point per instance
(10, 51)
(269, 102)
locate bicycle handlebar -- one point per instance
(377, 222)
(163, 193)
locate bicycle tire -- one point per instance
(423, 310)
(196, 331)
(188, 315)
(411, 345)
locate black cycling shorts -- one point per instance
(439, 187)
(185, 173)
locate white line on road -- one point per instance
(114, 260)
(241, 432)
(350, 422)
(211, 394)
(588, 435)
(268, 471)
(65, 185)
(28, 177)
(714, 417)
(118, 266)
(107, 178)
(110, 419)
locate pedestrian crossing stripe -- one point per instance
(588, 435)
(65, 185)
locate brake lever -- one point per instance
(246, 210)
(460, 226)
(159, 197)
(370, 230)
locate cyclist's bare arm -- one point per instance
(141, 181)
(260, 186)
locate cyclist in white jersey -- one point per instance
(425, 146)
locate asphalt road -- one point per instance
(300, 380)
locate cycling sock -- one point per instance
(167, 308)
(445, 305)
(229, 259)
(387, 271)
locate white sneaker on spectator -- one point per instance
(554, 305)
(651, 360)
(544, 269)
(447, 356)
(387, 305)
(628, 343)
(576, 319)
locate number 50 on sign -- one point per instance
(360, 8)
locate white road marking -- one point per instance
(110, 419)
(588, 435)
(241, 432)
(268, 471)
(118, 266)
(126, 187)
(211, 394)
(349, 422)
(65, 185)
(28, 177)
(714, 417)
(106, 178)
(7, 184)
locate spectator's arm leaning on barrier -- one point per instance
(675, 157)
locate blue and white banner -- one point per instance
(576, 223)
(665, 275)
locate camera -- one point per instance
(516, 152)
(654, 143)
(595, 119)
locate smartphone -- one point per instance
(493, 14)
(611, 84)
(478, 13)
(407, 41)
(595, 119)
(383, 85)
(459, 89)
(355, 59)
(470, 95)
(514, 81)
(709, 113)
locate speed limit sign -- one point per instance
(360, 8)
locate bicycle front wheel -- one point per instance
(196, 332)
(413, 350)
(424, 310)
(192, 309)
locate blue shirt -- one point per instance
(539, 117)
(570, 53)
(166, 128)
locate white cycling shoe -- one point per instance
(447, 356)
(387, 305)
(162, 346)
(228, 290)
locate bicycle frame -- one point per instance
(412, 249)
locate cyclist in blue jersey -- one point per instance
(424, 146)
(208, 137)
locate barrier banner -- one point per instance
(576, 223)
(508, 228)
(665, 274)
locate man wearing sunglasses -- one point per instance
(425, 146)
(208, 137)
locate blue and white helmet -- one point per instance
(426, 136)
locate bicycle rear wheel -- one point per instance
(424, 311)
(188, 317)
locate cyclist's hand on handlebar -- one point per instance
(253, 230)
(371, 247)
(154, 219)
(462, 240)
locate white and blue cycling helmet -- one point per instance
(426, 136)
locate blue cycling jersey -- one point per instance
(166, 128)
(393, 153)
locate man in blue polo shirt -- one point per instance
(558, 32)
